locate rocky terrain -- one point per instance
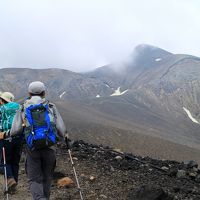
(105, 173)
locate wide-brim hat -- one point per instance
(7, 96)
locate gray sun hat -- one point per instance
(36, 87)
(7, 96)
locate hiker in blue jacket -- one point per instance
(8, 109)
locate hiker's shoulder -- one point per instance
(51, 105)
(12, 105)
(33, 101)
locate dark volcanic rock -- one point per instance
(191, 164)
(152, 193)
(131, 179)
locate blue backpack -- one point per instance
(40, 130)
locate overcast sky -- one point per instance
(81, 35)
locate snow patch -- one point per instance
(158, 59)
(97, 96)
(107, 85)
(118, 92)
(62, 94)
(190, 115)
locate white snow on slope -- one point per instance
(158, 59)
(62, 94)
(118, 92)
(190, 115)
(97, 96)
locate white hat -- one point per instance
(36, 87)
(7, 96)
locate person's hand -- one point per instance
(2, 135)
(69, 143)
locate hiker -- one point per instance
(42, 123)
(1, 168)
(0, 118)
(8, 109)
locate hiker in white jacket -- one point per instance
(40, 163)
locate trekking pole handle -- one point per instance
(67, 142)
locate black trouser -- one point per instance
(40, 165)
(13, 151)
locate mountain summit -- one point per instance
(146, 56)
(146, 49)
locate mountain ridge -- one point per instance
(147, 96)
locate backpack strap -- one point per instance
(52, 111)
(24, 122)
(47, 118)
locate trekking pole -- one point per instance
(72, 163)
(5, 173)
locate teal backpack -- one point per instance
(8, 112)
(0, 120)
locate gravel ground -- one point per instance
(104, 174)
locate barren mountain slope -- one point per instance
(154, 93)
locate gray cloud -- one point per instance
(82, 35)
